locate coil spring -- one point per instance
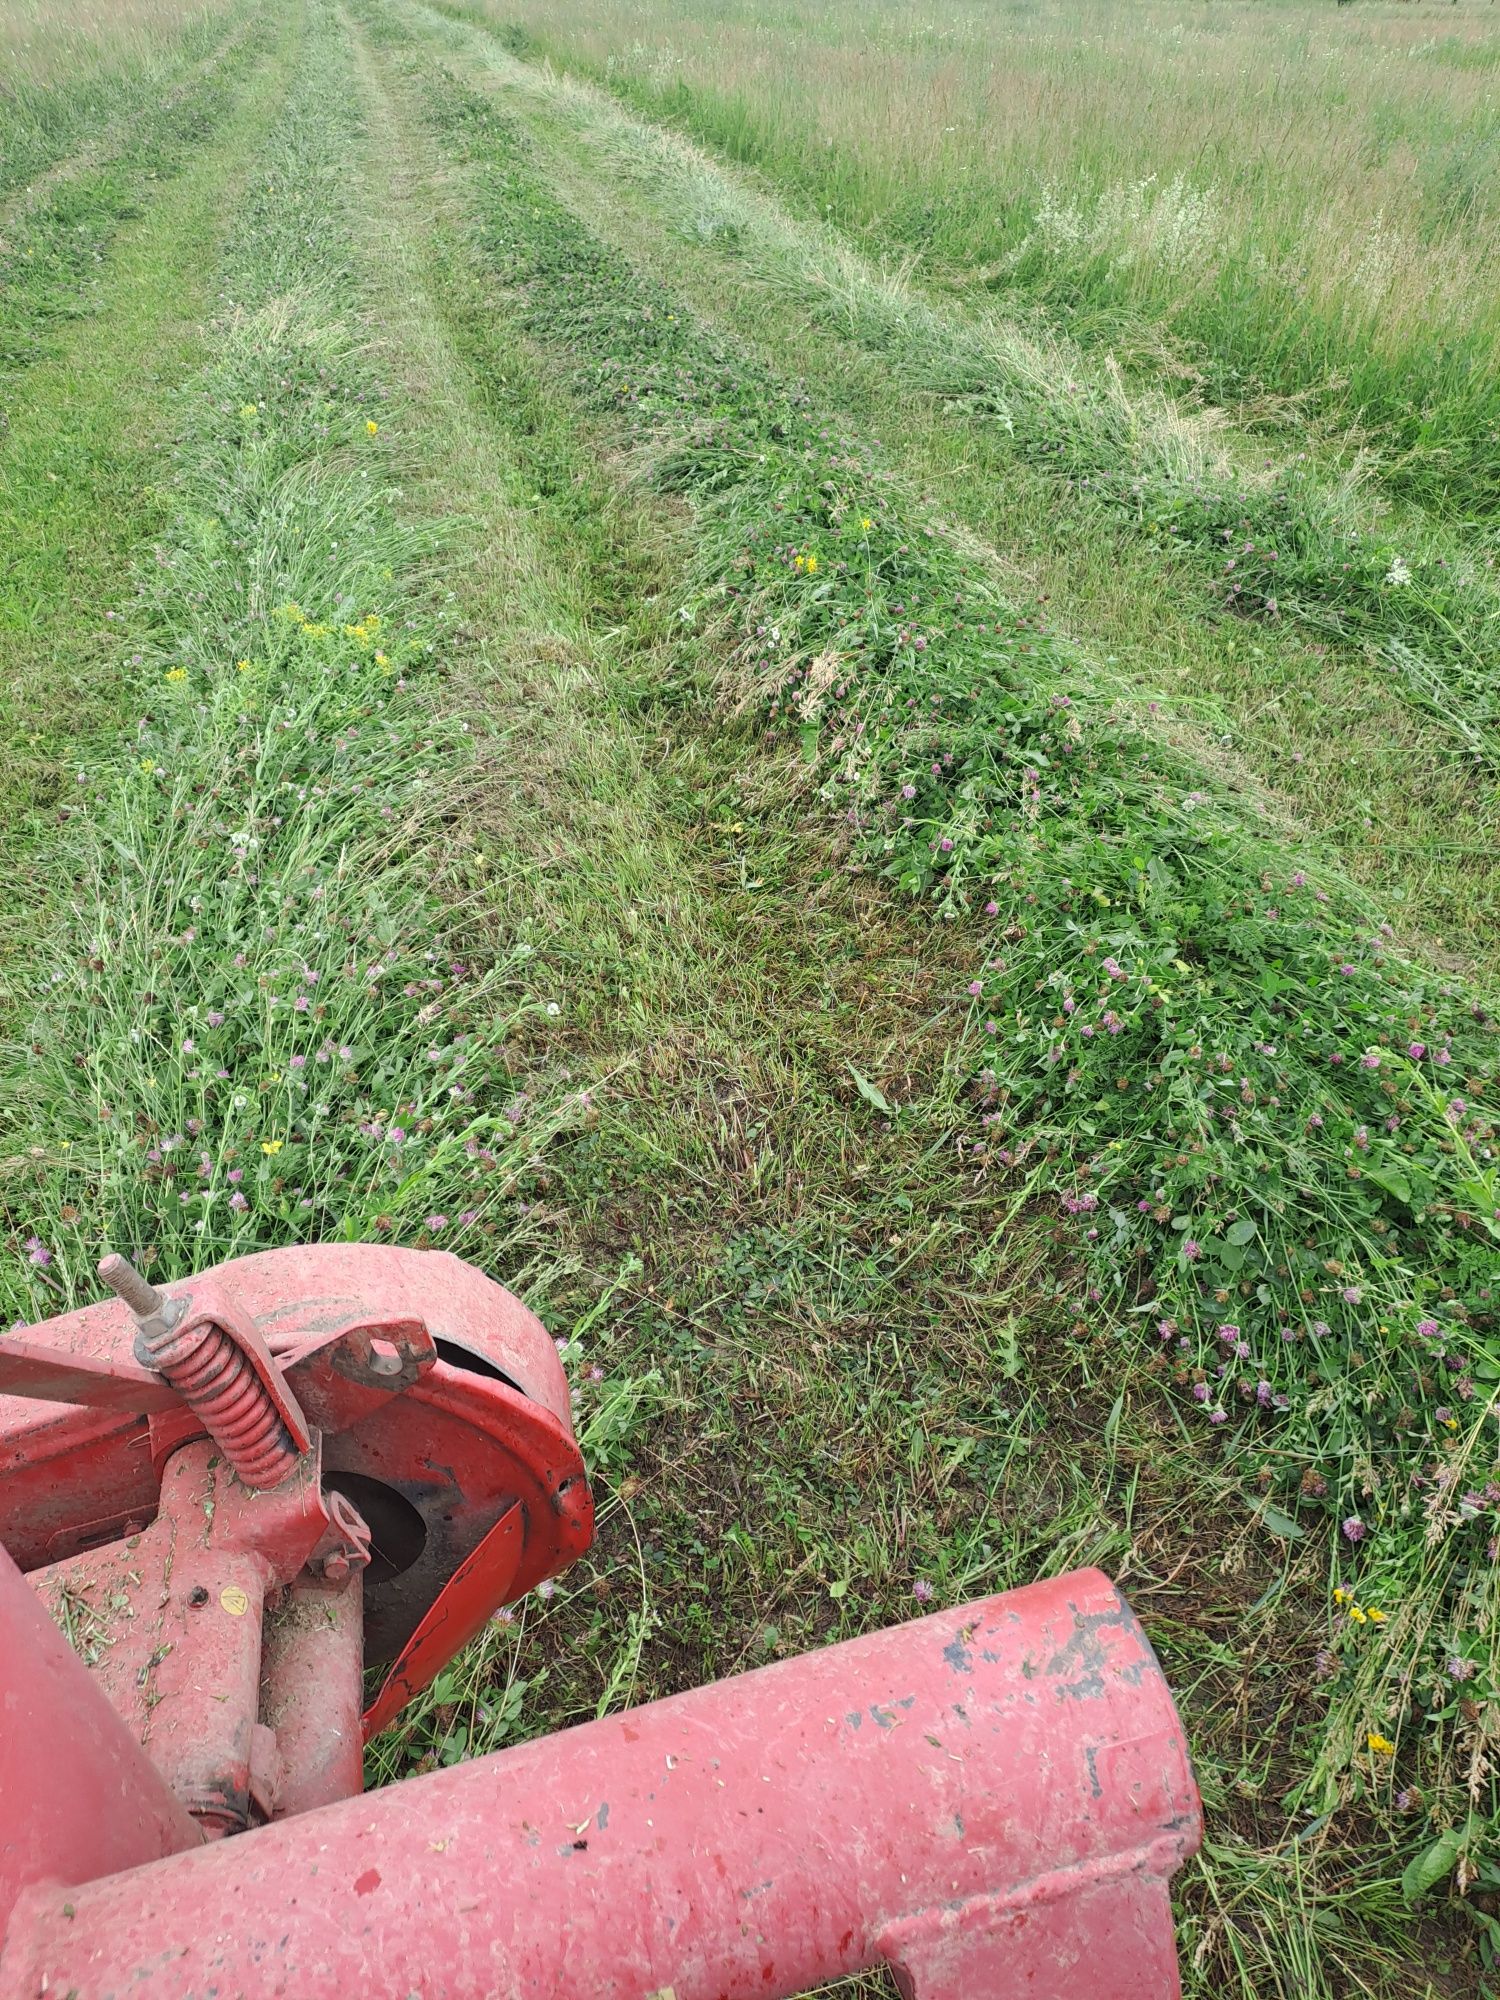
(215, 1379)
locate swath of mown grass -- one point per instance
(1291, 208)
(786, 1422)
(78, 460)
(249, 1023)
(1379, 762)
(1282, 1021)
(1277, 539)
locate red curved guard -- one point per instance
(475, 1590)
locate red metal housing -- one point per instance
(991, 1800)
(432, 1466)
(352, 1454)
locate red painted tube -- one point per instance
(312, 1691)
(78, 1795)
(991, 1799)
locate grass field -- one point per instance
(848, 666)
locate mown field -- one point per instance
(824, 684)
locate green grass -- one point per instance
(279, 1042)
(76, 80)
(516, 833)
(1365, 738)
(84, 424)
(1290, 1219)
(1289, 208)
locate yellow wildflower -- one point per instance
(177, 673)
(1375, 1617)
(371, 426)
(381, 660)
(271, 1147)
(1341, 1597)
(866, 523)
(1356, 1614)
(248, 410)
(812, 565)
(148, 765)
(242, 666)
(1381, 1745)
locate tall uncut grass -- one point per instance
(1293, 209)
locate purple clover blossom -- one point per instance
(188, 1046)
(38, 1252)
(238, 1202)
(1351, 1295)
(1355, 1529)
(436, 1223)
(1428, 1329)
(1370, 1059)
(1416, 1050)
(1192, 1250)
(923, 1591)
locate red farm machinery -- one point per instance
(250, 1516)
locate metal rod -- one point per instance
(126, 1282)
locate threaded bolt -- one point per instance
(126, 1282)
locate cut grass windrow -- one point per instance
(1344, 749)
(51, 123)
(1257, 1122)
(78, 460)
(1274, 536)
(251, 1025)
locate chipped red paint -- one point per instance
(992, 1800)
